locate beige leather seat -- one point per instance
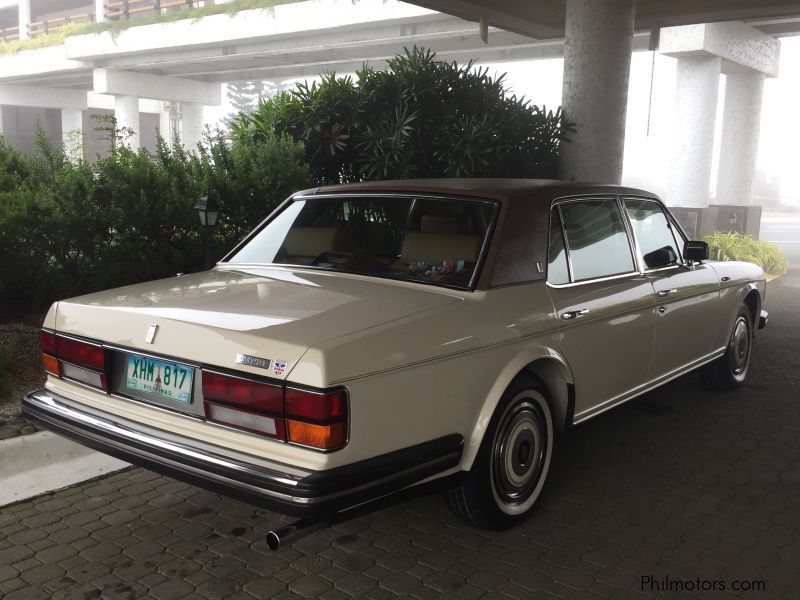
(438, 240)
(313, 241)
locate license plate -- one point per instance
(160, 377)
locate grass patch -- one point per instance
(115, 27)
(736, 246)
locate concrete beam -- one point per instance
(42, 97)
(156, 87)
(106, 102)
(734, 42)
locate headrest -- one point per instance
(313, 241)
(434, 247)
(439, 224)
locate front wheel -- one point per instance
(512, 463)
(730, 370)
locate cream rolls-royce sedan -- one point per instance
(369, 337)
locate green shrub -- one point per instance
(736, 246)
(419, 117)
(68, 228)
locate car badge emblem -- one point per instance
(151, 334)
(279, 367)
(253, 361)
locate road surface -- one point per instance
(785, 232)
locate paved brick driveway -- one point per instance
(681, 483)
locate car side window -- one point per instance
(557, 266)
(596, 239)
(653, 233)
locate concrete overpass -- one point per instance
(183, 62)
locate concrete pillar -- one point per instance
(24, 12)
(697, 87)
(72, 132)
(126, 111)
(191, 125)
(741, 125)
(99, 11)
(597, 58)
(165, 124)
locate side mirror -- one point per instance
(695, 251)
(661, 257)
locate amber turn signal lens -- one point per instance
(324, 437)
(50, 364)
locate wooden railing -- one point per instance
(123, 9)
(45, 26)
(9, 34)
(115, 11)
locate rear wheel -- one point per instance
(512, 463)
(730, 370)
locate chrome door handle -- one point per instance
(665, 293)
(575, 314)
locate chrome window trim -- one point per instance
(479, 262)
(567, 199)
(596, 280)
(670, 225)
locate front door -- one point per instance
(686, 299)
(604, 302)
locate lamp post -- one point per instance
(208, 210)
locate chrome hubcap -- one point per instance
(740, 346)
(518, 456)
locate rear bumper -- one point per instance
(276, 486)
(762, 319)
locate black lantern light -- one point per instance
(208, 210)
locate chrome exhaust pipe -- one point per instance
(277, 538)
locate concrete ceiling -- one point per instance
(544, 19)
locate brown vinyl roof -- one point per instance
(496, 189)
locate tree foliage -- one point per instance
(419, 117)
(73, 227)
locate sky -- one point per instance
(649, 117)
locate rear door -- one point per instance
(602, 299)
(686, 299)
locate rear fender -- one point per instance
(553, 368)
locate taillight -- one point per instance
(49, 361)
(80, 353)
(316, 419)
(308, 418)
(256, 395)
(74, 359)
(244, 403)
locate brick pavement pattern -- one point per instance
(682, 482)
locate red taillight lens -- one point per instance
(246, 393)
(303, 417)
(316, 406)
(48, 340)
(80, 353)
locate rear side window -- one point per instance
(652, 230)
(596, 239)
(557, 268)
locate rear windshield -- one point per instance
(435, 241)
